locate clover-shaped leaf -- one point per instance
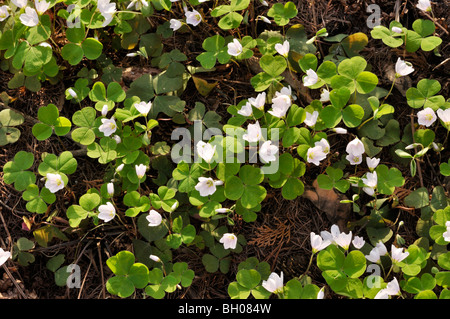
(37, 201)
(388, 179)
(422, 36)
(16, 171)
(282, 13)
(63, 164)
(425, 95)
(87, 204)
(50, 121)
(8, 133)
(333, 179)
(136, 202)
(74, 52)
(352, 75)
(231, 19)
(215, 51)
(128, 274)
(105, 152)
(85, 120)
(187, 176)
(389, 37)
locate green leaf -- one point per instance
(388, 179)
(16, 171)
(248, 278)
(234, 188)
(120, 286)
(281, 14)
(273, 65)
(120, 264)
(418, 198)
(92, 48)
(355, 264)
(330, 258)
(72, 53)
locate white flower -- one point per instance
(382, 294)
(397, 30)
(117, 138)
(108, 126)
(234, 48)
(174, 206)
(30, 18)
(311, 118)
(332, 234)
(193, 17)
(246, 110)
(340, 130)
(140, 170)
(344, 240)
(107, 10)
(110, 189)
(132, 54)
(143, 107)
(393, 288)
(20, 3)
(374, 256)
(54, 182)
(207, 186)
(41, 6)
(283, 49)
(4, 12)
(206, 151)
(382, 250)
(259, 101)
(105, 109)
(325, 95)
(267, 151)
(311, 78)
(120, 167)
(324, 144)
(4, 256)
(426, 117)
(321, 293)
(222, 210)
(280, 105)
(372, 163)
(285, 90)
(274, 283)
(371, 182)
(175, 24)
(106, 212)
(265, 19)
(444, 115)
(72, 93)
(354, 159)
(424, 5)
(228, 240)
(254, 133)
(154, 218)
(318, 243)
(358, 242)
(355, 147)
(155, 258)
(403, 68)
(138, 4)
(315, 155)
(397, 254)
(446, 234)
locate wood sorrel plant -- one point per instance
(191, 191)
